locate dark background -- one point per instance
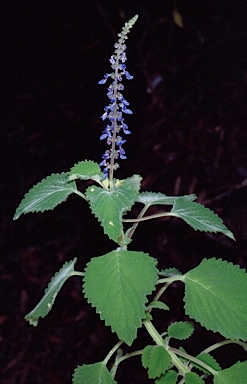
(189, 136)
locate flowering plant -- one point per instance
(118, 284)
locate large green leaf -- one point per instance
(54, 286)
(117, 284)
(156, 359)
(180, 330)
(170, 377)
(85, 170)
(209, 360)
(92, 374)
(46, 195)
(199, 217)
(237, 374)
(109, 206)
(215, 295)
(157, 198)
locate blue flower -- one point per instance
(118, 105)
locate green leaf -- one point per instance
(180, 330)
(156, 359)
(209, 360)
(117, 284)
(153, 198)
(85, 170)
(46, 195)
(215, 296)
(199, 217)
(170, 377)
(92, 374)
(237, 374)
(193, 378)
(170, 272)
(109, 206)
(54, 286)
(158, 305)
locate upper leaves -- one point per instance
(46, 195)
(110, 205)
(56, 283)
(117, 285)
(92, 374)
(85, 170)
(157, 198)
(215, 295)
(180, 330)
(199, 217)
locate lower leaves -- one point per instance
(92, 374)
(117, 284)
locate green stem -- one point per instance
(156, 216)
(224, 342)
(80, 194)
(121, 359)
(132, 230)
(112, 351)
(160, 342)
(77, 273)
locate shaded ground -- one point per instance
(189, 136)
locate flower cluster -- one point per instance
(118, 106)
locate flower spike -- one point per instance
(118, 105)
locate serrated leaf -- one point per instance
(215, 296)
(156, 359)
(133, 181)
(117, 285)
(109, 206)
(193, 378)
(157, 198)
(92, 374)
(209, 360)
(237, 374)
(86, 170)
(170, 377)
(54, 286)
(180, 330)
(169, 272)
(158, 305)
(46, 195)
(199, 217)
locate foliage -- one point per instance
(118, 284)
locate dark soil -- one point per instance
(189, 136)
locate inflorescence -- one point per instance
(118, 105)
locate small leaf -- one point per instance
(92, 374)
(215, 296)
(156, 359)
(85, 170)
(209, 360)
(199, 217)
(170, 377)
(158, 305)
(180, 330)
(109, 206)
(193, 378)
(170, 272)
(153, 198)
(237, 374)
(54, 286)
(117, 284)
(46, 195)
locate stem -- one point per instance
(132, 230)
(112, 351)
(77, 273)
(156, 216)
(160, 342)
(161, 291)
(121, 359)
(80, 194)
(225, 342)
(194, 359)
